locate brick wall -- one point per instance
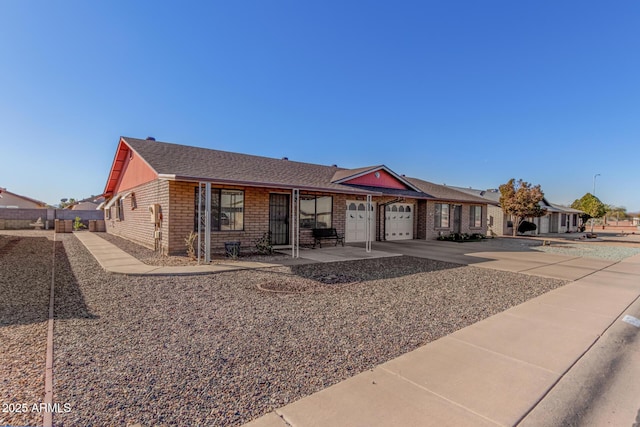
(256, 217)
(497, 222)
(432, 232)
(177, 201)
(135, 224)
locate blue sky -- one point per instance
(465, 93)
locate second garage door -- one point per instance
(399, 221)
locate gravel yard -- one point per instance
(226, 348)
(591, 250)
(25, 280)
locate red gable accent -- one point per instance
(383, 180)
(128, 171)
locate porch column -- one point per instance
(368, 225)
(204, 222)
(295, 223)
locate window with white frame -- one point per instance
(442, 215)
(475, 216)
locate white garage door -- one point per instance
(399, 221)
(356, 221)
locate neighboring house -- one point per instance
(558, 219)
(156, 194)
(497, 223)
(16, 201)
(91, 203)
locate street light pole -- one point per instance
(594, 183)
(594, 195)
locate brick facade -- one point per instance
(177, 202)
(432, 232)
(135, 223)
(177, 206)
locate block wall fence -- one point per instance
(17, 219)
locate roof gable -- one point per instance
(373, 176)
(128, 170)
(7, 198)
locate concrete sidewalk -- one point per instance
(494, 372)
(115, 260)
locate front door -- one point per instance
(279, 218)
(457, 219)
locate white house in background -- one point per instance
(558, 219)
(16, 201)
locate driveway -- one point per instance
(506, 254)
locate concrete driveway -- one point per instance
(507, 254)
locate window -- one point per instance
(575, 220)
(227, 210)
(316, 211)
(563, 220)
(120, 209)
(442, 215)
(475, 217)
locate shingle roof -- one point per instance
(491, 194)
(443, 192)
(183, 162)
(196, 163)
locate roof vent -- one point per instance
(334, 165)
(150, 138)
(482, 193)
(285, 158)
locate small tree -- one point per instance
(591, 206)
(521, 200)
(77, 224)
(64, 203)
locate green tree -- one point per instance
(67, 202)
(591, 206)
(521, 200)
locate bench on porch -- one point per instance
(320, 234)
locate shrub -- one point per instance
(263, 244)
(189, 241)
(77, 224)
(526, 226)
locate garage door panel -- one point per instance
(356, 221)
(399, 221)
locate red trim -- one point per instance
(128, 170)
(383, 180)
